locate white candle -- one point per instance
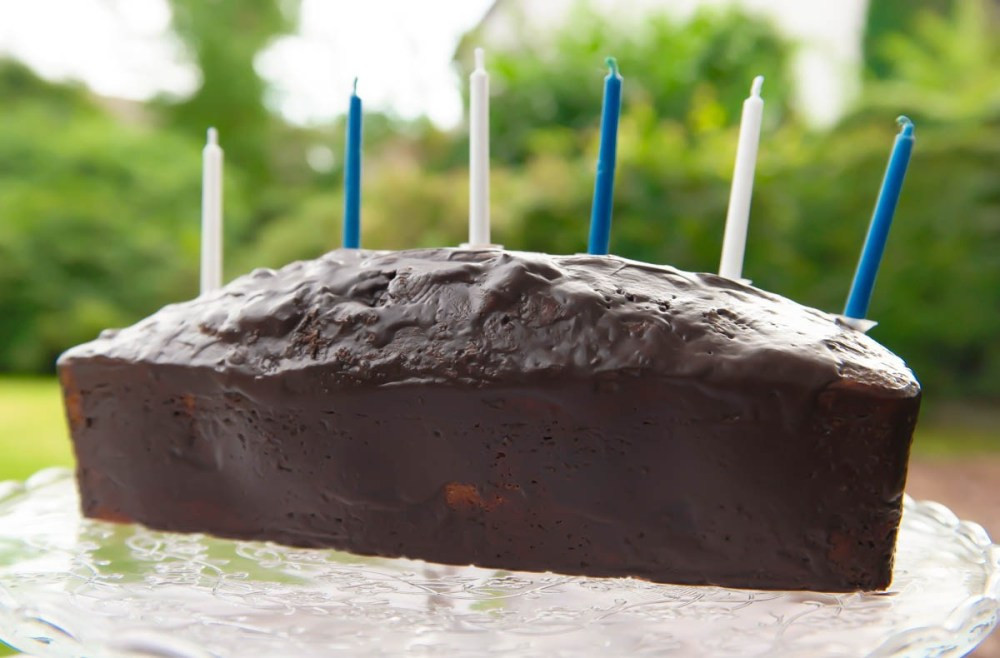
(735, 240)
(479, 154)
(211, 214)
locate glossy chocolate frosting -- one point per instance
(479, 317)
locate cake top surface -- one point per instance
(483, 316)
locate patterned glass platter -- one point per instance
(71, 587)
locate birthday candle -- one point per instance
(211, 214)
(352, 173)
(604, 183)
(878, 229)
(738, 217)
(479, 154)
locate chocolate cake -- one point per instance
(579, 414)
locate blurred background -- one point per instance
(104, 106)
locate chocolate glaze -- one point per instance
(580, 414)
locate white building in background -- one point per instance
(828, 34)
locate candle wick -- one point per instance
(480, 59)
(905, 124)
(758, 82)
(612, 64)
(354, 88)
(213, 136)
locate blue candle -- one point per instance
(878, 230)
(600, 212)
(352, 174)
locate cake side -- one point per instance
(616, 475)
(577, 414)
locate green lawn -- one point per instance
(32, 427)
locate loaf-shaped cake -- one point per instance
(579, 414)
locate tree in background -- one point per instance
(940, 289)
(224, 37)
(886, 17)
(98, 220)
(944, 68)
(697, 71)
(685, 82)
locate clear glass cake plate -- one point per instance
(72, 587)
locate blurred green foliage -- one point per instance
(231, 94)
(546, 92)
(32, 427)
(99, 217)
(95, 219)
(890, 17)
